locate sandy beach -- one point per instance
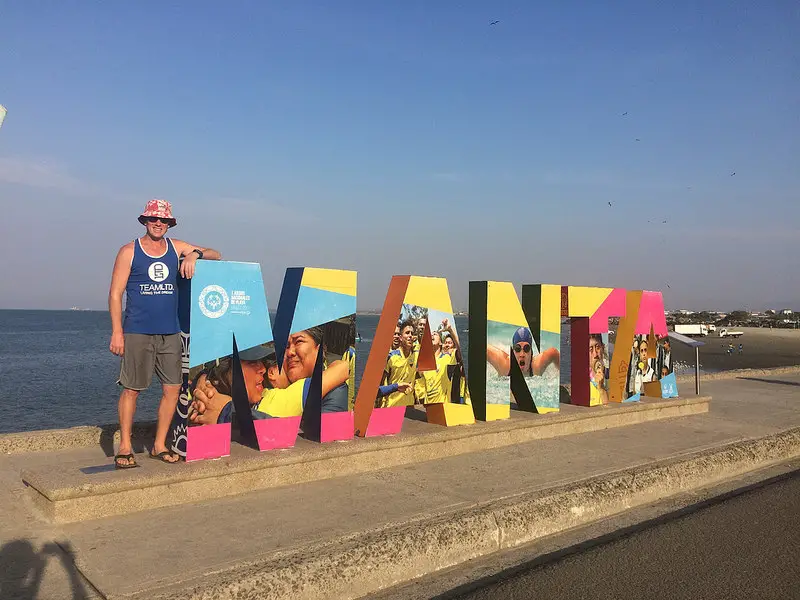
(761, 348)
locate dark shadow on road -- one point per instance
(141, 437)
(778, 381)
(415, 414)
(22, 569)
(608, 538)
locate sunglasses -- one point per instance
(522, 348)
(157, 220)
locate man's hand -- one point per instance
(403, 387)
(188, 264)
(117, 345)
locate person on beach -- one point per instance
(147, 336)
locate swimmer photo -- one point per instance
(505, 341)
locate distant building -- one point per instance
(786, 312)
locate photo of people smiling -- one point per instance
(405, 380)
(275, 390)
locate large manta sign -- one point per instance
(298, 374)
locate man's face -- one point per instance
(643, 351)
(666, 345)
(396, 338)
(420, 328)
(522, 350)
(407, 337)
(448, 344)
(595, 351)
(156, 228)
(301, 356)
(253, 372)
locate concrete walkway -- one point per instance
(179, 550)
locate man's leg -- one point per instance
(168, 368)
(127, 408)
(166, 411)
(136, 371)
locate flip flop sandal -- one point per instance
(127, 457)
(161, 456)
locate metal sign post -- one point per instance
(692, 344)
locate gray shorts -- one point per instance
(147, 353)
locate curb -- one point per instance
(105, 436)
(358, 564)
(82, 436)
(64, 498)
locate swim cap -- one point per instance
(522, 334)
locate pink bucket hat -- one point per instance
(158, 208)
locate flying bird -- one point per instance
(668, 286)
(638, 140)
(609, 203)
(625, 113)
(494, 23)
(664, 221)
(734, 173)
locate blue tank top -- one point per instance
(152, 292)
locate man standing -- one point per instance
(401, 368)
(148, 338)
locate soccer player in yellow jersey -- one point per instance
(436, 381)
(401, 367)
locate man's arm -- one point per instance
(337, 373)
(119, 279)
(451, 327)
(187, 251)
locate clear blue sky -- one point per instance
(408, 137)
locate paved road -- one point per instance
(745, 547)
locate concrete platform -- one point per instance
(65, 493)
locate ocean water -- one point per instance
(56, 370)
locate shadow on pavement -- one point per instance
(22, 569)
